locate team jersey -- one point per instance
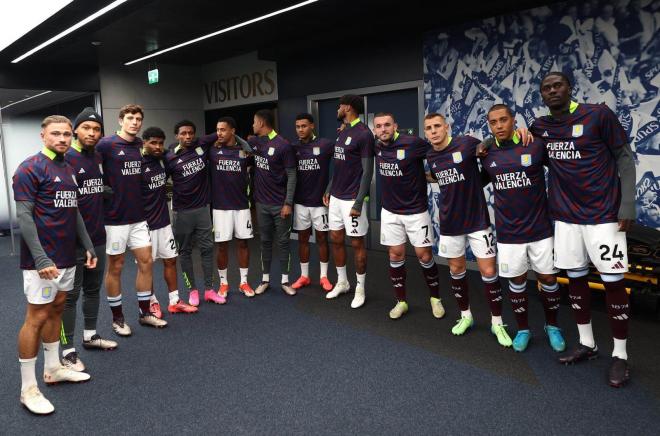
(354, 143)
(48, 182)
(188, 167)
(272, 156)
(463, 207)
(229, 177)
(154, 193)
(313, 170)
(400, 168)
(518, 179)
(122, 163)
(583, 184)
(86, 166)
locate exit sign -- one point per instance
(152, 75)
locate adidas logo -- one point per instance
(147, 170)
(354, 232)
(545, 134)
(493, 164)
(57, 179)
(520, 310)
(433, 284)
(179, 161)
(398, 285)
(621, 317)
(497, 298)
(490, 251)
(426, 241)
(92, 116)
(82, 171)
(576, 306)
(121, 153)
(457, 295)
(618, 265)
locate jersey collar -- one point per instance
(515, 139)
(571, 107)
(50, 154)
(354, 122)
(76, 146)
(272, 135)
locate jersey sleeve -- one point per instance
(421, 147)
(612, 132)
(25, 184)
(207, 141)
(289, 157)
(367, 145)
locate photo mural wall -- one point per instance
(609, 49)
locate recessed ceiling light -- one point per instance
(12, 103)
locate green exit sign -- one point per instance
(152, 75)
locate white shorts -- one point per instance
(482, 243)
(41, 291)
(339, 214)
(228, 224)
(127, 235)
(163, 245)
(395, 227)
(604, 244)
(305, 216)
(515, 259)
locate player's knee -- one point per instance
(171, 262)
(425, 257)
(337, 238)
(145, 263)
(115, 265)
(577, 273)
(546, 279)
(242, 243)
(321, 237)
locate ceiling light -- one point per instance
(210, 35)
(25, 99)
(71, 29)
(25, 16)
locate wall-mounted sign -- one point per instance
(152, 76)
(237, 81)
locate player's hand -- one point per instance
(326, 200)
(355, 212)
(624, 225)
(90, 262)
(482, 150)
(49, 273)
(286, 211)
(525, 135)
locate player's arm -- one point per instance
(207, 141)
(484, 146)
(85, 241)
(626, 166)
(290, 165)
(42, 263)
(248, 146)
(367, 160)
(328, 188)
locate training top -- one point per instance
(583, 184)
(122, 163)
(48, 182)
(87, 168)
(154, 192)
(229, 177)
(354, 143)
(188, 168)
(272, 156)
(313, 170)
(463, 207)
(400, 167)
(518, 179)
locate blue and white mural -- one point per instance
(610, 49)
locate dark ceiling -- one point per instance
(140, 26)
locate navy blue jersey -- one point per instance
(313, 170)
(583, 184)
(463, 207)
(400, 168)
(230, 180)
(272, 156)
(154, 192)
(354, 143)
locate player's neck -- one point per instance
(349, 118)
(307, 140)
(560, 112)
(126, 136)
(441, 145)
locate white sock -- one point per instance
(361, 280)
(341, 274)
(51, 356)
(244, 274)
(466, 313)
(223, 276)
(152, 298)
(67, 351)
(304, 269)
(28, 373)
(496, 320)
(620, 349)
(586, 335)
(324, 269)
(174, 297)
(265, 277)
(87, 334)
(285, 278)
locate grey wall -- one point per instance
(177, 96)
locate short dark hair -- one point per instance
(354, 101)
(434, 115)
(385, 114)
(499, 106)
(305, 116)
(560, 74)
(228, 120)
(153, 132)
(130, 109)
(183, 123)
(267, 116)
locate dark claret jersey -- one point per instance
(272, 155)
(229, 177)
(122, 163)
(463, 207)
(354, 143)
(584, 185)
(188, 168)
(400, 167)
(154, 194)
(86, 166)
(313, 170)
(49, 183)
(517, 175)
